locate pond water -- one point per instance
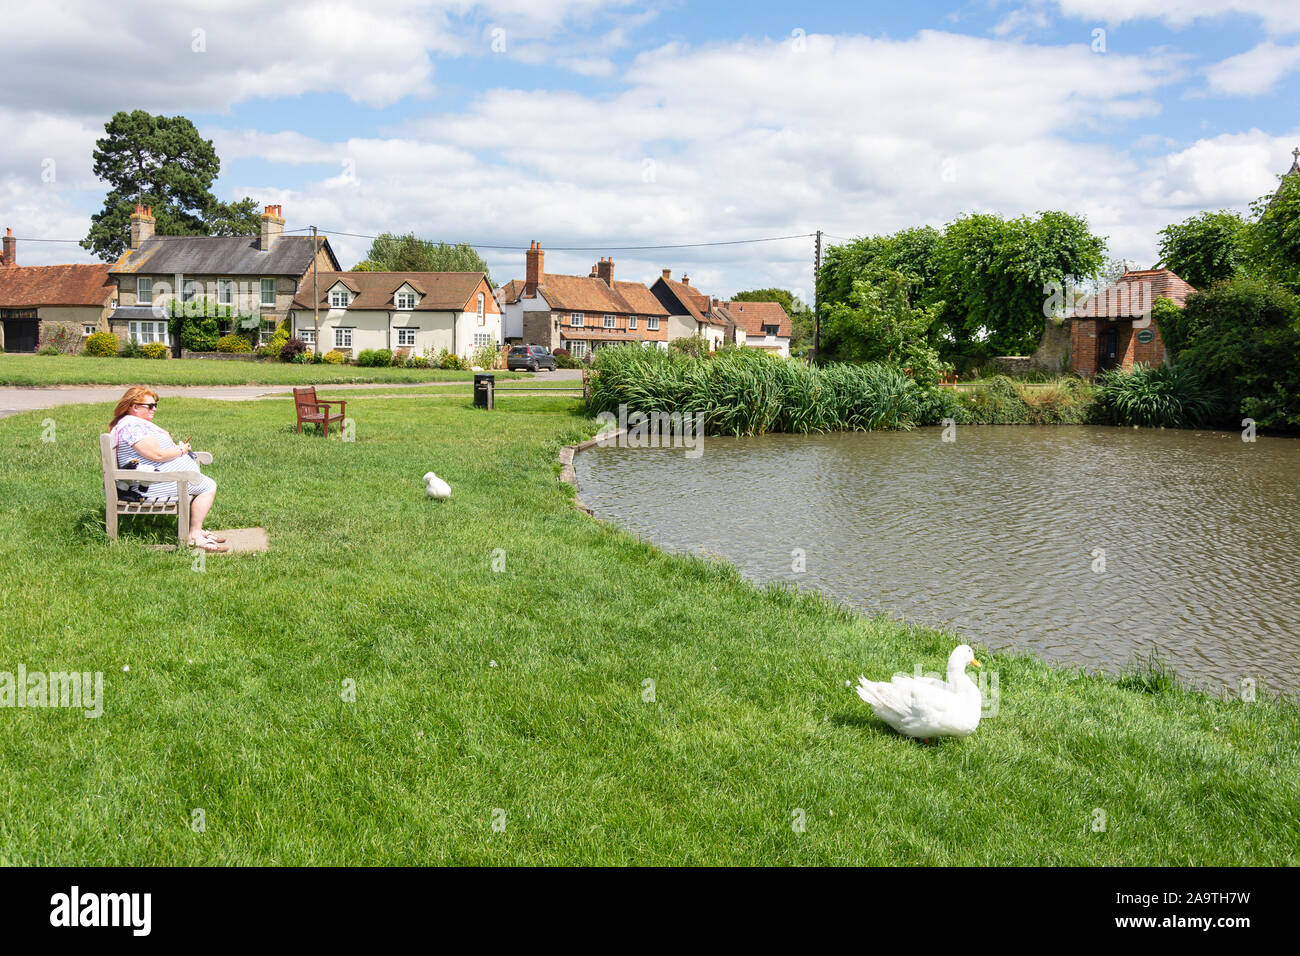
(1087, 546)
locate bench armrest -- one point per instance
(203, 457)
(155, 477)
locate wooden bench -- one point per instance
(312, 410)
(178, 506)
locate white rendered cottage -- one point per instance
(415, 312)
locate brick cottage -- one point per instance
(1115, 328)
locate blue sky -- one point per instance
(601, 123)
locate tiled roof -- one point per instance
(1133, 294)
(220, 255)
(439, 291)
(29, 286)
(750, 317)
(641, 300)
(511, 291)
(582, 294)
(696, 303)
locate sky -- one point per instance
(605, 124)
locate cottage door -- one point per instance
(20, 335)
(1109, 357)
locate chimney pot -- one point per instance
(686, 280)
(9, 257)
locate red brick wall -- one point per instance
(1083, 346)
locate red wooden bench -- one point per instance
(313, 411)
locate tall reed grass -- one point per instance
(1164, 395)
(748, 392)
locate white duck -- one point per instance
(435, 487)
(925, 707)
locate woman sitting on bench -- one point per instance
(137, 438)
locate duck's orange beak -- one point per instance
(976, 663)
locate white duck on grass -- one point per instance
(435, 487)
(926, 707)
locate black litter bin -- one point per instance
(484, 391)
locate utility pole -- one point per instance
(817, 311)
(315, 295)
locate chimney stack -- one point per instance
(272, 228)
(10, 255)
(686, 280)
(142, 223)
(535, 274)
(605, 270)
(668, 273)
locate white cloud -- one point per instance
(1278, 16)
(1228, 170)
(1254, 72)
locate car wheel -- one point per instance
(532, 367)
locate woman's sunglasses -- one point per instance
(147, 404)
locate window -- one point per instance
(343, 338)
(578, 349)
(146, 332)
(482, 319)
(406, 300)
(89, 329)
(770, 329)
(406, 337)
(652, 323)
(578, 319)
(225, 292)
(144, 291)
(268, 293)
(631, 322)
(189, 289)
(482, 339)
(308, 336)
(339, 299)
(609, 321)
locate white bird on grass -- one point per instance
(926, 707)
(435, 487)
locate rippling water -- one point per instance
(994, 535)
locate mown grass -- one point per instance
(233, 699)
(83, 370)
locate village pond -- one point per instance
(1086, 546)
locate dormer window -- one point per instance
(338, 298)
(406, 300)
(771, 329)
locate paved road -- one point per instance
(15, 399)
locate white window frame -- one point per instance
(578, 348)
(189, 290)
(577, 319)
(339, 298)
(482, 318)
(146, 331)
(405, 301)
(308, 336)
(631, 322)
(609, 321)
(340, 335)
(652, 323)
(264, 302)
(88, 329)
(226, 292)
(482, 339)
(405, 333)
(144, 290)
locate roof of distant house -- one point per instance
(588, 294)
(696, 303)
(750, 317)
(31, 286)
(1133, 294)
(221, 255)
(435, 291)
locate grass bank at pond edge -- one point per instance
(233, 702)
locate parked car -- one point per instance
(531, 357)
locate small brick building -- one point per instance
(43, 305)
(1115, 328)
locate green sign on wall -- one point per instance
(1146, 336)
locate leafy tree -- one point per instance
(910, 251)
(992, 273)
(801, 320)
(1273, 240)
(879, 324)
(1243, 335)
(1204, 248)
(394, 253)
(160, 161)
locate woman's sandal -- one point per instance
(214, 537)
(210, 546)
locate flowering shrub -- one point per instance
(233, 343)
(333, 357)
(155, 350)
(101, 344)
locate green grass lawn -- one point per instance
(82, 370)
(233, 700)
